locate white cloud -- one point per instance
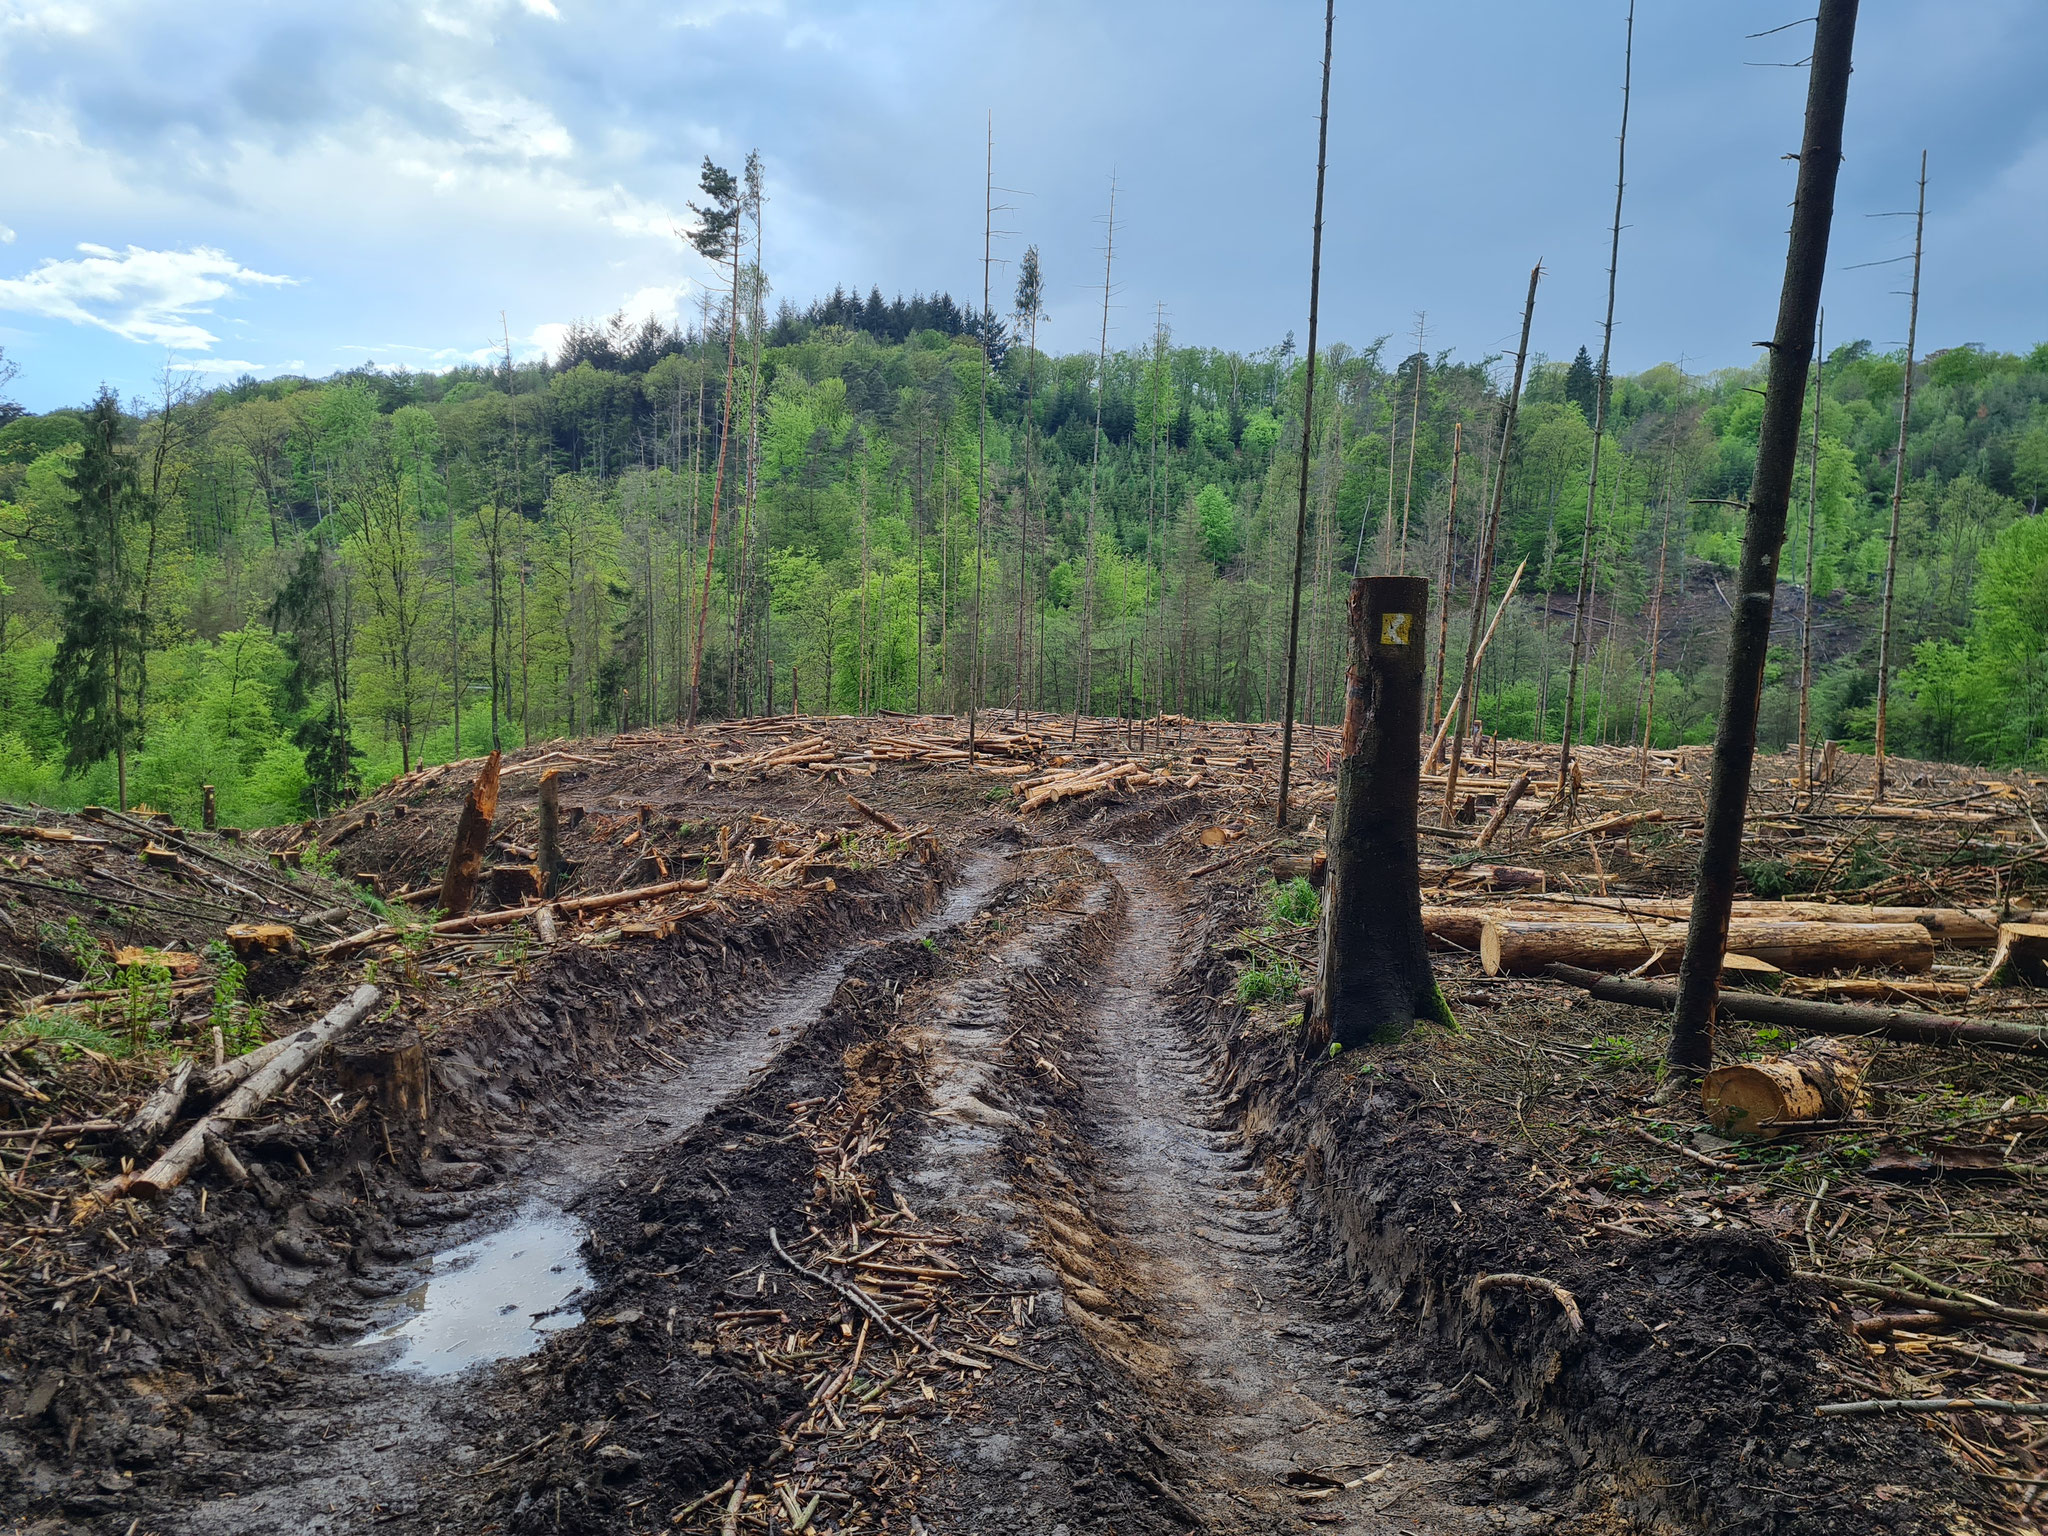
(663, 302)
(138, 294)
(221, 365)
(549, 337)
(6, 235)
(509, 123)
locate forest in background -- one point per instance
(293, 589)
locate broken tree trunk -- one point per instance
(549, 854)
(1503, 811)
(1375, 979)
(1819, 1081)
(1525, 947)
(1909, 1026)
(466, 858)
(1791, 350)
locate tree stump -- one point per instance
(514, 884)
(393, 1072)
(1375, 980)
(255, 942)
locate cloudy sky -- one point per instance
(263, 186)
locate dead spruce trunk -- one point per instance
(1375, 979)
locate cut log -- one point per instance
(170, 1170)
(1966, 928)
(223, 1158)
(1313, 869)
(231, 1074)
(1524, 947)
(472, 831)
(544, 923)
(1819, 1081)
(158, 1112)
(178, 962)
(255, 942)
(1907, 1025)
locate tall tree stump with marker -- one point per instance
(1375, 981)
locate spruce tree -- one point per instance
(96, 643)
(1578, 384)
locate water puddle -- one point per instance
(493, 1298)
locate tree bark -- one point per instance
(1525, 946)
(1891, 548)
(1820, 159)
(1375, 979)
(1909, 1026)
(466, 858)
(1819, 1081)
(548, 856)
(1308, 417)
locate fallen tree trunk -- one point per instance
(1819, 1081)
(159, 1111)
(232, 1073)
(1905, 1025)
(466, 857)
(1966, 928)
(293, 1055)
(886, 823)
(483, 921)
(1524, 947)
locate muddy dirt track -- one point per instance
(957, 1202)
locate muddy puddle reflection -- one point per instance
(492, 1298)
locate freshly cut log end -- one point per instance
(1819, 1081)
(2022, 952)
(1523, 948)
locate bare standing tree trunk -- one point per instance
(732, 341)
(1600, 392)
(1308, 418)
(1489, 538)
(981, 462)
(1443, 607)
(1891, 548)
(1820, 364)
(1414, 425)
(1085, 661)
(1656, 632)
(1813, 211)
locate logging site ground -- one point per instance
(866, 1138)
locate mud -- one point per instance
(1146, 1271)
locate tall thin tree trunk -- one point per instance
(1308, 418)
(1489, 538)
(1656, 633)
(1085, 676)
(732, 341)
(1443, 611)
(1891, 548)
(981, 455)
(1414, 425)
(1813, 210)
(1820, 365)
(1601, 389)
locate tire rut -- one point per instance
(375, 1432)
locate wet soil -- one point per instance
(1141, 1269)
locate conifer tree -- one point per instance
(96, 642)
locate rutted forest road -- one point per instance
(1167, 1351)
(954, 1194)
